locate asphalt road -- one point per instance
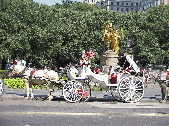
(102, 110)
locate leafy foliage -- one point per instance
(14, 83)
(149, 32)
(17, 83)
(56, 35)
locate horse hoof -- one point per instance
(162, 101)
(49, 99)
(27, 98)
(32, 98)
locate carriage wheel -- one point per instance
(73, 91)
(1, 86)
(131, 89)
(87, 92)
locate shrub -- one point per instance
(16, 83)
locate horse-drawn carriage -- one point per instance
(130, 87)
(125, 81)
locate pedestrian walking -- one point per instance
(167, 76)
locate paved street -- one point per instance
(100, 110)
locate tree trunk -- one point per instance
(3, 64)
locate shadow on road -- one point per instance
(105, 98)
(151, 98)
(60, 98)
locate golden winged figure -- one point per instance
(110, 38)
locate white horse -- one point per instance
(33, 76)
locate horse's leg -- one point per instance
(30, 89)
(27, 87)
(163, 92)
(31, 92)
(51, 91)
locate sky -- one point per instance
(50, 2)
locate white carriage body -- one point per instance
(129, 87)
(84, 72)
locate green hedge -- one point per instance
(16, 83)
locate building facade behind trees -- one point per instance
(127, 5)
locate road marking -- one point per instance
(47, 113)
(128, 105)
(83, 114)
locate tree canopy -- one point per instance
(56, 35)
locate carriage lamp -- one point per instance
(128, 41)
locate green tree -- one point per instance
(56, 35)
(149, 34)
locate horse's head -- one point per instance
(17, 70)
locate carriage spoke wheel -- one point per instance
(73, 91)
(131, 89)
(1, 86)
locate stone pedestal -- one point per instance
(105, 68)
(112, 58)
(107, 59)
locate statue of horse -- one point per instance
(32, 76)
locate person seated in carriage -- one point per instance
(86, 58)
(85, 62)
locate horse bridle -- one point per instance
(21, 73)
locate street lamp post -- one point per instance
(128, 41)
